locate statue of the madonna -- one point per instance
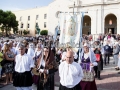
(70, 31)
(71, 27)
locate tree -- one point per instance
(15, 30)
(2, 29)
(8, 20)
(1, 16)
(25, 32)
(44, 32)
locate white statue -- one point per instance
(71, 27)
(70, 30)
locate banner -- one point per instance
(69, 26)
(62, 28)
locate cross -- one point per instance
(73, 7)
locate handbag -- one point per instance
(97, 57)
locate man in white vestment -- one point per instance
(70, 73)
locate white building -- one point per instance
(102, 16)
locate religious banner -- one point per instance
(69, 30)
(62, 27)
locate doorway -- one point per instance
(86, 25)
(111, 24)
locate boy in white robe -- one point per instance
(23, 66)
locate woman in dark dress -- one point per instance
(47, 69)
(97, 51)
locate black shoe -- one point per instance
(118, 72)
(117, 69)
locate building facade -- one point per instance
(29, 19)
(102, 16)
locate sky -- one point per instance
(14, 5)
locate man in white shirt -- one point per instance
(23, 65)
(70, 73)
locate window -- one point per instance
(28, 18)
(45, 25)
(28, 25)
(21, 18)
(21, 25)
(45, 16)
(37, 16)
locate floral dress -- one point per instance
(9, 66)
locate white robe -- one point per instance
(23, 63)
(70, 74)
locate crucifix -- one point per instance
(73, 7)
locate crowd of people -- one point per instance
(36, 59)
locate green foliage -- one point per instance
(25, 32)
(15, 30)
(1, 16)
(8, 21)
(2, 28)
(44, 32)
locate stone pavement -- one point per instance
(110, 78)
